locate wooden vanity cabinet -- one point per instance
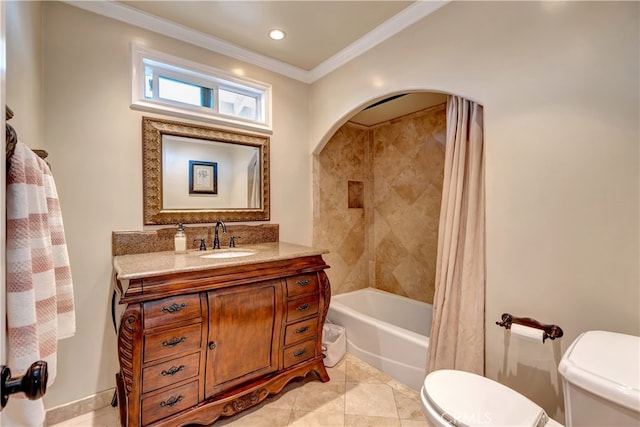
(244, 334)
(195, 346)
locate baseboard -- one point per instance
(79, 407)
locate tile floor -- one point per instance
(358, 395)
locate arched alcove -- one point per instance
(377, 192)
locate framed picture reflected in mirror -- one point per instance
(203, 177)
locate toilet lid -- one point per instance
(605, 364)
(465, 400)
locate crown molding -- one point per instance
(408, 16)
(129, 15)
(121, 12)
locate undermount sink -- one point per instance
(229, 254)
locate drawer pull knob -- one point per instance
(302, 330)
(303, 307)
(174, 308)
(171, 401)
(303, 282)
(300, 352)
(172, 371)
(212, 345)
(173, 342)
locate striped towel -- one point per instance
(40, 306)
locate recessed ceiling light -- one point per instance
(276, 34)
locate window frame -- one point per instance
(200, 75)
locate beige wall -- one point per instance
(25, 70)
(559, 85)
(391, 242)
(94, 144)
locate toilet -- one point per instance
(600, 379)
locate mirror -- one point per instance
(196, 174)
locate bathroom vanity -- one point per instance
(201, 338)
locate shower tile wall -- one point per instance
(337, 227)
(390, 243)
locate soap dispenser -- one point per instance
(180, 240)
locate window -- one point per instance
(165, 84)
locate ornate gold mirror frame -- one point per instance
(153, 131)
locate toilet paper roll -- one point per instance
(527, 332)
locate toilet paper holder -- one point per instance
(550, 331)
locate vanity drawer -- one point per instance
(171, 372)
(170, 310)
(302, 307)
(173, 341)
(169, 402)
(299, 353)
(302, 284)
(300, 331)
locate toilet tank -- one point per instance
(601, 380)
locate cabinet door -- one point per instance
(244, 331)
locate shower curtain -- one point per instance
(457, 332)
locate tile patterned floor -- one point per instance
(358, 395)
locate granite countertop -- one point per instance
(138, 266)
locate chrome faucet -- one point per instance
(216, 240)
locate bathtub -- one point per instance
(388, 331)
